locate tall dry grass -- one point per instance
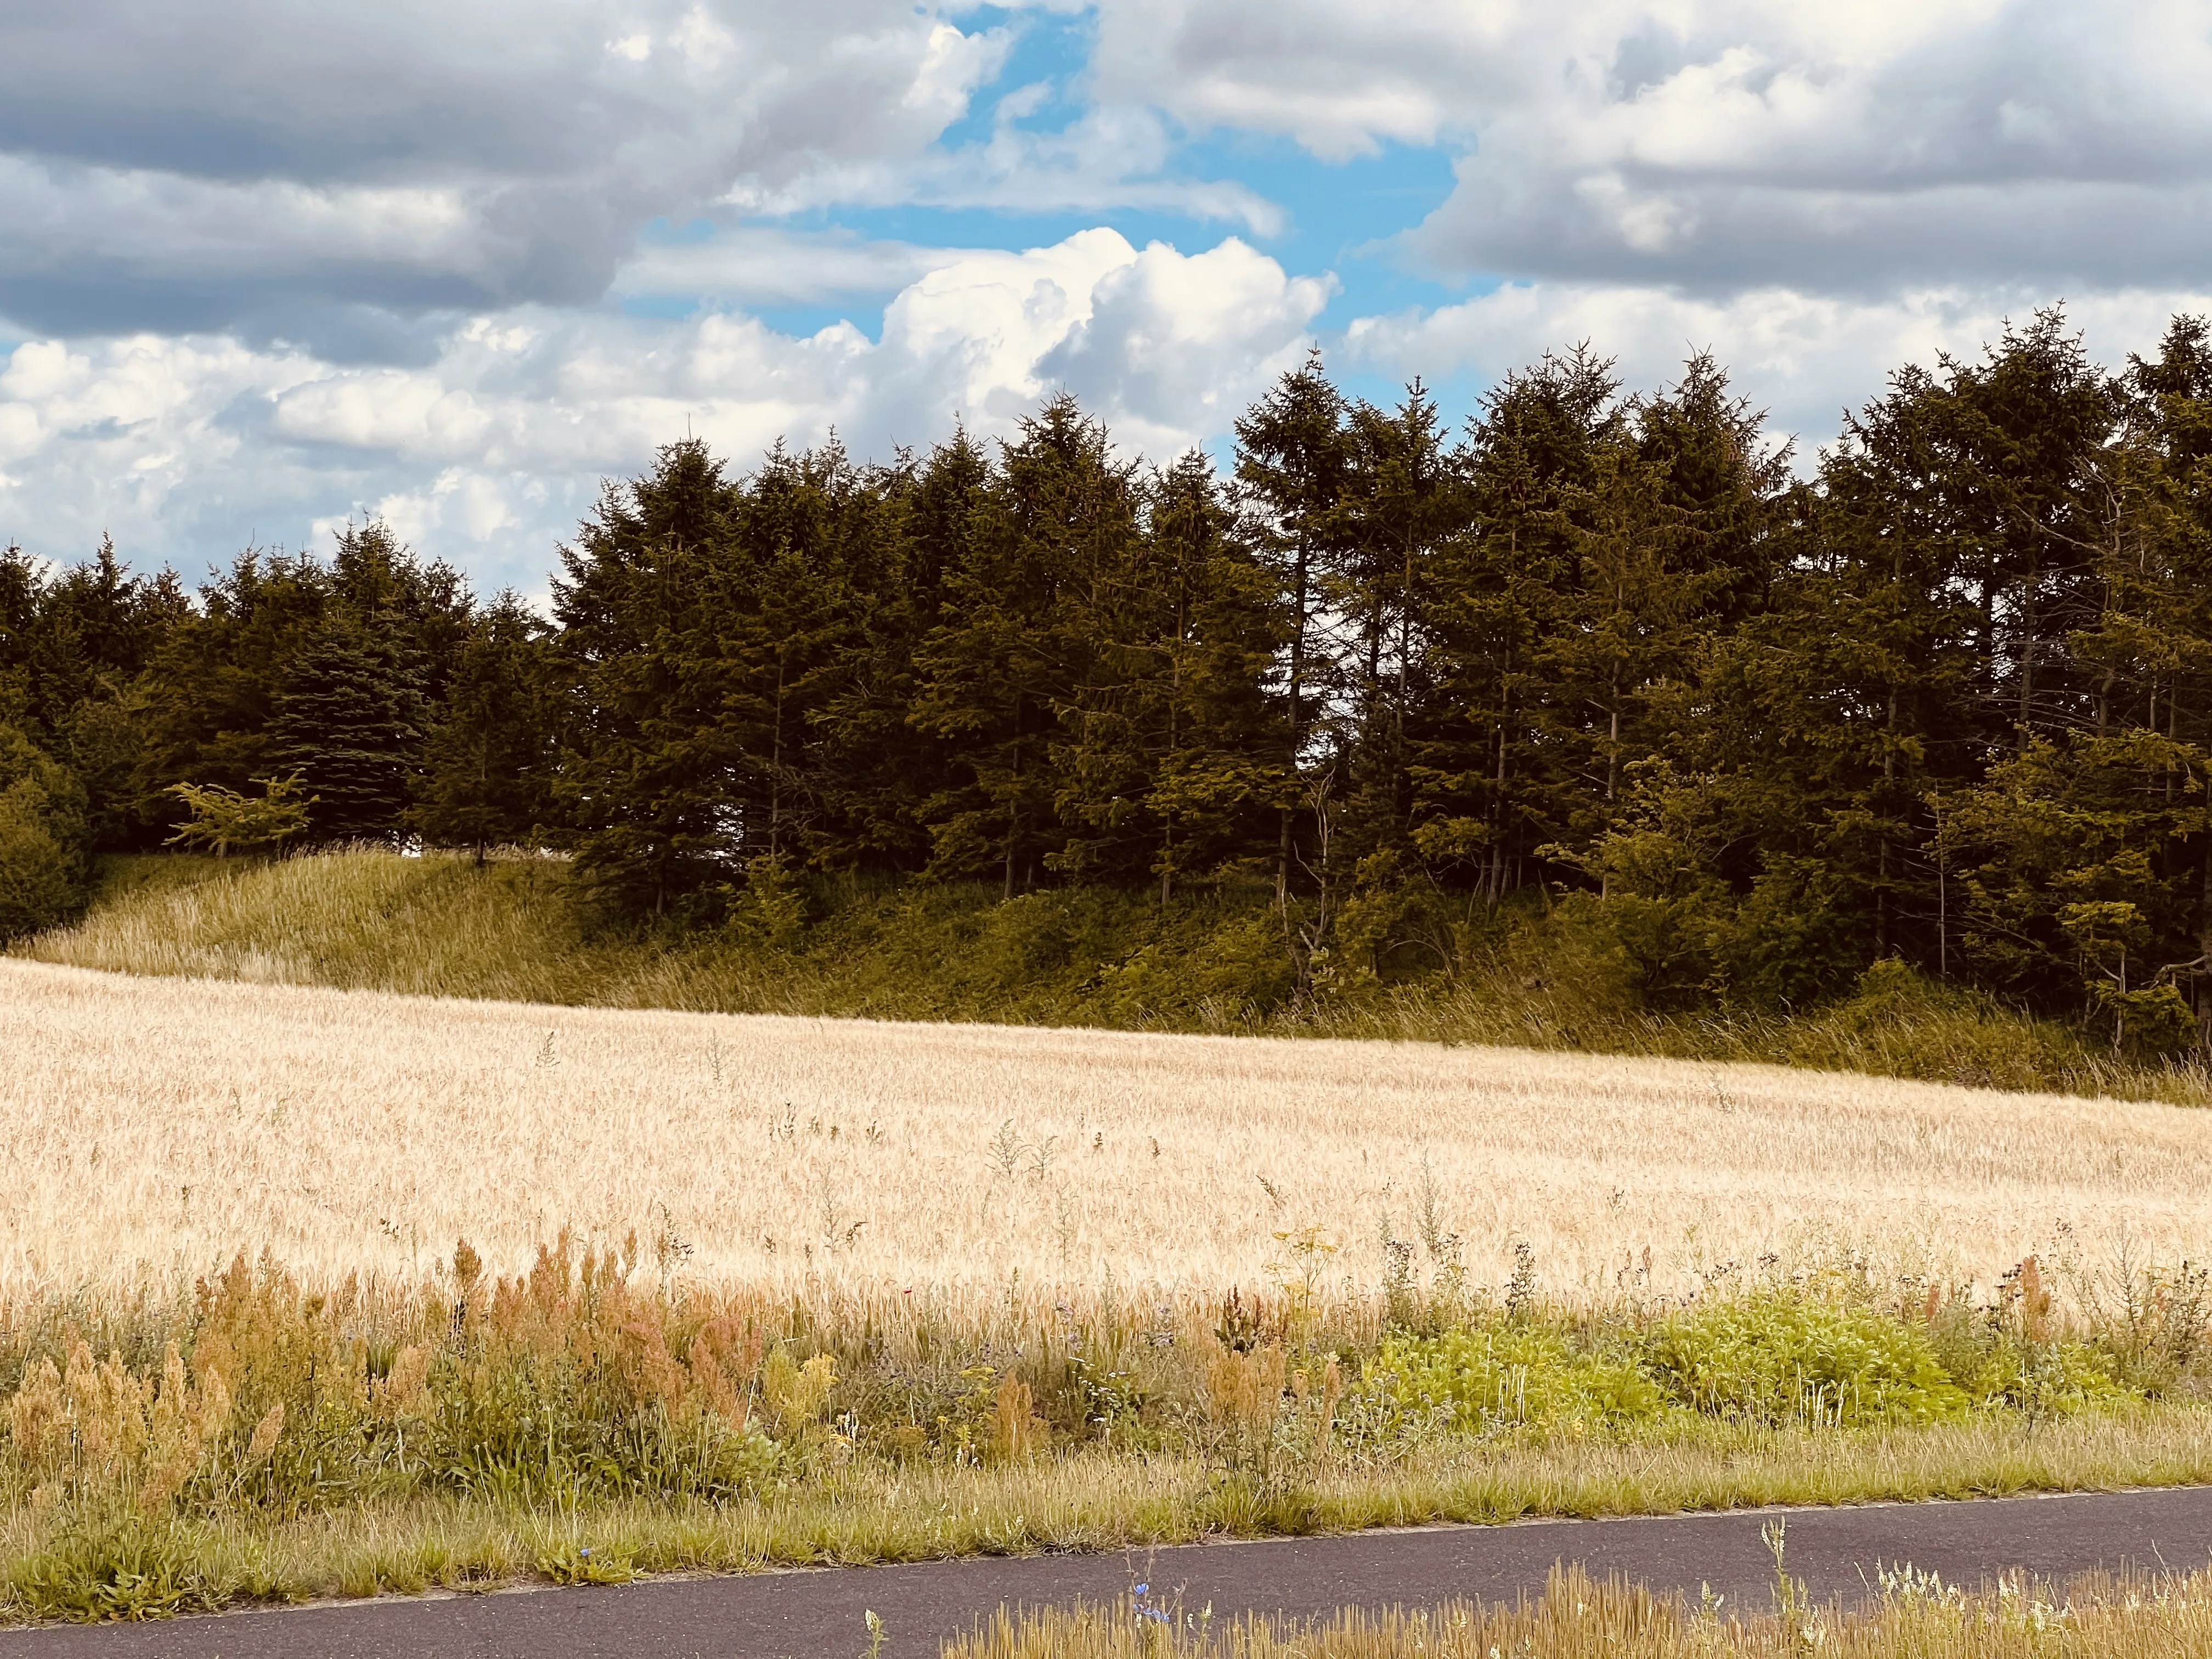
(150, 1127)
(1578, 1618)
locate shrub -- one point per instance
(1476, 1381)
(1776, 1358)
(1898, 1021)
(223, 819)
(42, 838)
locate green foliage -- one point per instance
(42, 838)
(1772, 1358)
(488, 761)
(1206, 965)
(1778, 1358)
(1737, 736)
(585, 1564)
(2066, 874)
(535, 1431)
(291, 663)
(223, 820)
(347, 718)
(76, 645)
(644, 774)
(103, 742)
(1514, 1375)
(100, 1569)
(770, 910)
(1898, 1021)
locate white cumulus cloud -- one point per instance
(1804, 358)
(1725, 145)
(260, 270)
(489, 452)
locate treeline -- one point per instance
(1947, 700)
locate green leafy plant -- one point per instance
(100, 1569)
(1776, 1358)
(1513, 1376)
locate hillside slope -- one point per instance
(438, 926)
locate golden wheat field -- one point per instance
(148, 1129)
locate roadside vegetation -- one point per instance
(591, 1417)
(1910, 1614)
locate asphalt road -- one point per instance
(766, 1616)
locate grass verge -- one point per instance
(260, 1440)
(1578, 1618)
(59, 1567)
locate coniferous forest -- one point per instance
(1942, 695)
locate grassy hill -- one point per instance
(438, 926)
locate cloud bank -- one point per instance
(262, 269)
(489, 452)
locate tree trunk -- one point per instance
(1298, 718)
(2204, 932)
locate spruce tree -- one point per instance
(2166, 580)
(877, 765)
(43, 841)
(1489, 789)
(788, 625)
(1219, 773)
(998, 671)
(1404, 498)
(1293, 460)
(1852, 700)
(214, 681)
(424, 602)
(487, 761)
(1163, 757)
(207, 711)
(75, 646)
(348, 722)
(647, 782)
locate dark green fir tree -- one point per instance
(487, 763)
(348, 721)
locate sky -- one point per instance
(267, 268)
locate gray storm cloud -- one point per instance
(252, 166)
